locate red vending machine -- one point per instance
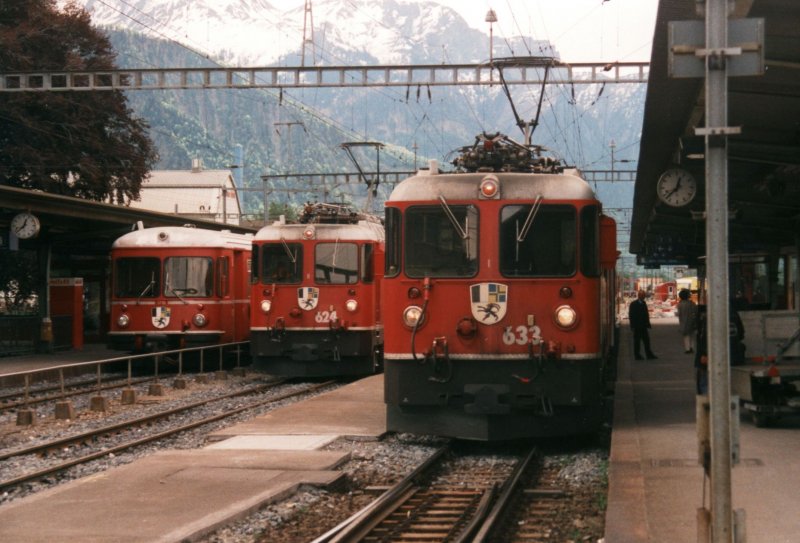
(66, 311)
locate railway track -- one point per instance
(88, 386)
(93, 436)
(451, 497)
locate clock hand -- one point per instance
(22, 226)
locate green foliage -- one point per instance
(85, 144)
(19, 278)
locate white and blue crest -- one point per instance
(160, 316)
(489, 302)
(307, 298)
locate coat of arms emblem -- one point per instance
(307, 298)
(489, 302)
(160, 316)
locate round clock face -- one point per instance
(25, 225)
(676, 187)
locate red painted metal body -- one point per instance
(176, 287)
(517, 316)
(315, 309)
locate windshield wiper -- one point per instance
(449, 212)
(147, 289)
(523, 232)
(292, 258)
(168, 288)
(526, 227)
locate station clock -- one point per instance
(25, 225)
(676, 187)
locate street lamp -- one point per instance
(491, 18)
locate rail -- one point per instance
(130, 358)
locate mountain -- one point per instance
(300, 131)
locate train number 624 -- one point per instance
(325, 316)
(521, 335)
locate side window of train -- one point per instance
(223, 276)
(367, 262)
(336, 263)
(252, 263)
(538, 242)
(393, 238)
(590, 241)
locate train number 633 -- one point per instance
(521, 335)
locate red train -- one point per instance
(175, 287)
(498, 298)
(315, 304)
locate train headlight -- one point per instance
(566, 317)
(266, 305)
(199, 320)
(490, 187)
(309, 233)
(351, 305)
(123, 321)
(412, 315)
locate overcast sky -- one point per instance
(581, 30)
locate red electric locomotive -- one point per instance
(315, 306)
(175, 287)
(498, 297)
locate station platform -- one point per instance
(177, 496)
(43, 361)
(656, 484)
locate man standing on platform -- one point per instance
(639, 317)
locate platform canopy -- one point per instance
(764, 160)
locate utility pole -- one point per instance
(719, 393)
(308, 33)
(491, 18)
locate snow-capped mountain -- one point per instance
(578, 122)
(256, 33)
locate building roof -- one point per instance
(199, 193)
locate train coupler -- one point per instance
(278, 332)
(441, 361)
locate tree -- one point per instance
(83, 144)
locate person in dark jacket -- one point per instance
(639, 318)
(735, 337)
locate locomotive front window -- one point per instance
(537, 242)
(441, 241)
(137, 277)
(191, 276)
(336, 263)
(281, 262)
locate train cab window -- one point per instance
(393, 222)
(367, 263)
(538, 241)
(137, 277)
(223, 276)
(252, 264)
(281, 262)
(441, 241)
(336, 263)
(191, 276)
(590, 241)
